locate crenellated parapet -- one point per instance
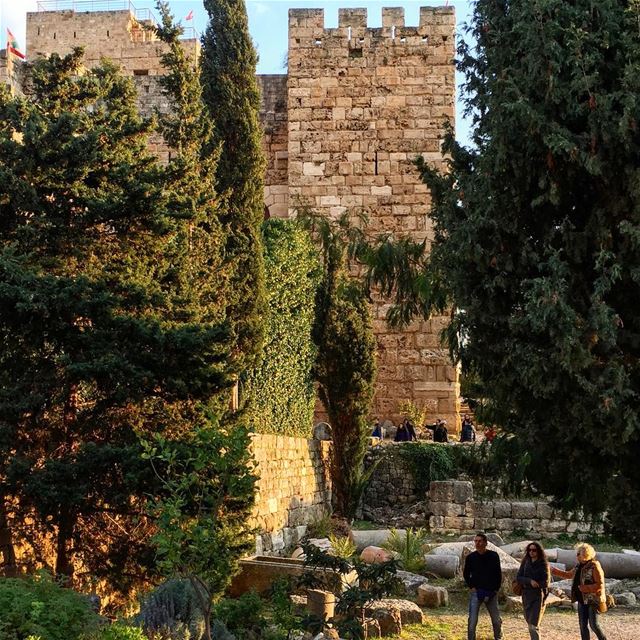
(307, 30)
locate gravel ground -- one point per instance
(618, 624)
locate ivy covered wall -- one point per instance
(280, 389)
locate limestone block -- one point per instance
(483, 510)
(459, 523)
(502, 509)
(432, 597)
(411, 581)
(408, 612)
(321, 603)
(523, 510)
(462, 491)
(484, 524)
(373, 537)
(441, 491)
(543, 511)
(450, 509)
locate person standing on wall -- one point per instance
(588, 590)
(483, 576)
(534, 577)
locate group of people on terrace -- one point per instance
(438, 432)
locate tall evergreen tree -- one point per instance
(108, 316)
(230, 91)
(345, 368)
(538, 241)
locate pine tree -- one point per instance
(230, 91)
(538, 241)
(108, 317)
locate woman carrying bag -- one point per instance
(587, 590)
(533, 579)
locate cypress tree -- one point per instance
(538, 241)
(230, 91)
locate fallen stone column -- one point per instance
(372, 537)
(442, 566)
(615, 565)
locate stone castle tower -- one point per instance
(341, 131)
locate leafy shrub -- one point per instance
(243, 616)
(119, 631)
(342, 546)
(374, 581)
(219, 631)
(409, 547)
(38, 606)
(320, 528)
(172, 612)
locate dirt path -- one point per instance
(618, 624)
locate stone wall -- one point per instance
(117, 35)
(449, 507)
(453, 509)
(11, 71)
(362, 104)
(273, 117)
(294, 489)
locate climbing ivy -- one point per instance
(504, 465)
(280, 387)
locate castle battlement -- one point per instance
(124, 36)
(306, 28)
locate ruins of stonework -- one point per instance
(341, 131)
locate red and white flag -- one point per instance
(189, 15)
(12, 45)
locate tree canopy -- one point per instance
(230, 93)
(537, 242)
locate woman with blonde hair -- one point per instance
(534, 577)
(587, 590)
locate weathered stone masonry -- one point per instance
(341, 132)
(361, 104)
(294, 489)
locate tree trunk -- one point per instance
(9, 564)
(64, 551)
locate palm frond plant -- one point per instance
(408, 547)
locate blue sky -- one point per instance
(267, 22)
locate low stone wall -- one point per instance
(453, 509)
(393, 498)
(392, 488)
(293, 489)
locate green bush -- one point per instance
(119, 631)
(409, 547)
(279, 391)
(503, 465)
(38, 606)
(243, 616)
(172, 612)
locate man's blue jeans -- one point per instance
(474, 610)
(588, 617)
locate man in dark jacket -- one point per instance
(483, 576)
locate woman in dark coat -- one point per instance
(534, 576)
